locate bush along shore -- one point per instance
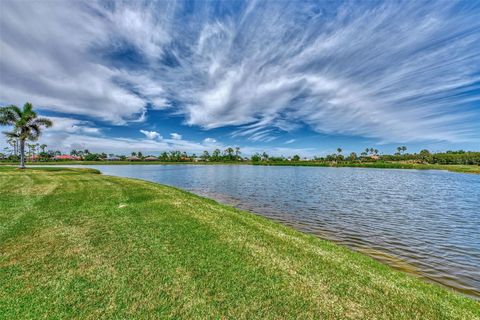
(77, 244)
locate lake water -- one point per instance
(423, 222)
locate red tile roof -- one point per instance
(66, 157)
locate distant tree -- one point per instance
(42, 147)
(265, 156)
(339, 150)
(205, 155)
(237, 153)
(14, 143)
(367, 150)
(425, 155)
(375, 151)
(399, 150)
(133, 154)
(175, 155)
(404, 149)
(229, 153)
(256, 157)
(425, 152)
(216, 154)
(139, 154)
(164, 156)
(296, 157)
(331, 157)
(352, 156)
(26, 125)
(92, 157)
(31, 148)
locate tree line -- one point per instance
(39, 152)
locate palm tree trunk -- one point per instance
(22, 154)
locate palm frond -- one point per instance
(9, 115)
(11, 134)
(34, 129)
(28, 108)
(43, 122)
(33, 136)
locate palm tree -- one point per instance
(42, 147)
(26, 125)
(339, 150)
(237, 153)
(229, 153)
(205, 155)
(31, 149)
(399, 149)
(404, 149)
(14, 143)
(265, 156)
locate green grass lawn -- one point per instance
(76, 244)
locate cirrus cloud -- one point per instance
(392, 71)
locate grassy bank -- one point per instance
(380, 165)
(76, 244)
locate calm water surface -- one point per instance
(423, 222)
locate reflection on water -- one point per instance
(423, 222)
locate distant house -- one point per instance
(33, 158)
(113, 159)
(133, 158)
(150, 158)
(374, 156)
(198, 159)
(66, 157)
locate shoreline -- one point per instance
(470, 169)
(220, 237)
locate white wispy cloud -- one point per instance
(70, 125)
(290, 141)
(209, 141)
(393, 71)
(152, 135)
(65, 141)
(176, 136)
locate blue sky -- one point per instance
(285, 77)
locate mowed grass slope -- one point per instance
(75, 244)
